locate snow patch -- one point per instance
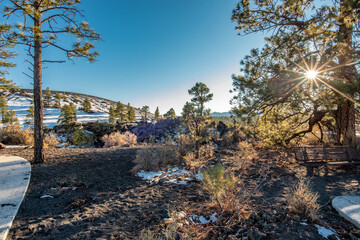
(323, 231)
(46, 196)
(202, 220)
(174, 175)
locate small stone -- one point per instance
(255, 216)
(296, 218)
(2, 146)
(259, 235)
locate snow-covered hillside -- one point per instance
(20, 103)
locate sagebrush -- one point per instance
(118, 139)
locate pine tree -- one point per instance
(50, 22)
(6, 55)
(58, 98)
(131, 113)
(64, 97)
(144, 113)
(112, 115)
(170, 114)
(47, 98)
(304, 35)
(29, 121)
(8, 116)
(68, 114)
(120, 112)
(195, 114)
(157, 114)
(86, 105)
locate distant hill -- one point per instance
(221, 114)
(20, 101)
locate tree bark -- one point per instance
(345, 124)
(38, 104)
(345, 113)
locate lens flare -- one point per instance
(311, 74)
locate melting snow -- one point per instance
(323, 231)
(173, 175)
(46, 196)
(196, 219)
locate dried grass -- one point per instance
(232, 137)
(302, 201)
(185, 144)
(154, 159)
(206, 153)
(50, 141)
(117, 139)
(14, 135)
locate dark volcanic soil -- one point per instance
(95, 197)
(108, 202)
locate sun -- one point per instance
(311, 74)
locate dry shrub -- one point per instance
(247, 153)
(170, 232)
(206, 152)
(14, 135)
(154, 159)
(117, 139)
(302, 201)
(50, 141)
(232, 137)
(227, 139)
(185, 144)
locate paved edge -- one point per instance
(348, 207)
(15, 173)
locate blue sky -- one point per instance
(152, 52)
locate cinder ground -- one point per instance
(95, 197)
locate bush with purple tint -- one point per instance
(158, 130)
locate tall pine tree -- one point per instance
(157, 114)
(39, 25)
(130, 113)
(316, 35)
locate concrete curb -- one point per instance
(348, 207)
(14, 180)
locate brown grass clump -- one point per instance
(232, 137)
(154, 159)
(14, 135)
(302, 201)
(117, 139)
(206, 152)
(50, 141)
(185, 144)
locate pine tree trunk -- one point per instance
(345, 123)
(345, 113)
(38, 104)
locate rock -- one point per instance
(296, 218)
(221, 128)
(333, 237)
(255, 216)
(258, 235)
(2, 146)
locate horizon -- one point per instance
(157, 52)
